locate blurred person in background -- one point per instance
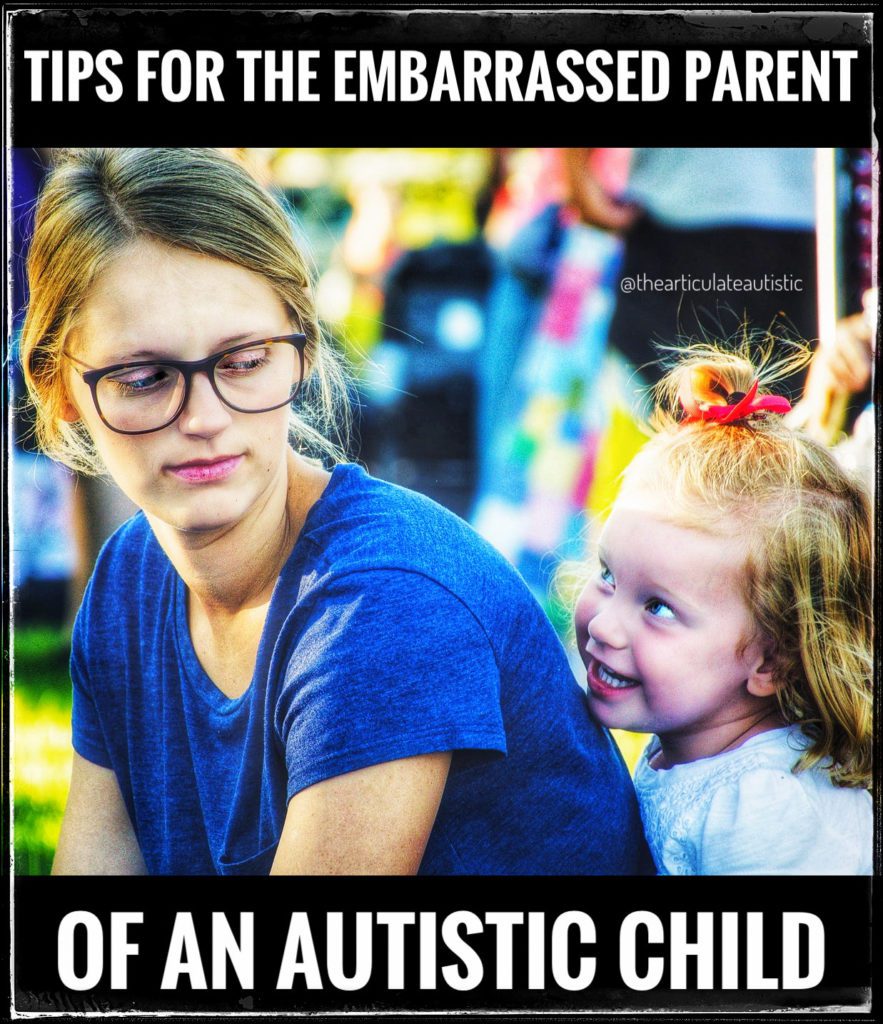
(280, 663)
(746, 213)
(841, 371)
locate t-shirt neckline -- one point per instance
(194, 672)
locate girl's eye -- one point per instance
(659, 609)
(606, 576)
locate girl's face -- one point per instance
(662, 630)
(212, 465)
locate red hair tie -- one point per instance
(737, 405)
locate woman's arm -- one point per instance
(374, 821)
(97, 837)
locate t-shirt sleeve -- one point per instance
(389, 664)
(766, 823)
(87, 734)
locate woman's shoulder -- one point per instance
(354, 499)
(363, 523)
(368, 544)
(128, 560)
(128, 538)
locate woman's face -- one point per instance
(212, 465)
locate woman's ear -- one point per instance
(761, 680)
(68, 412)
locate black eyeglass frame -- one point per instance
(187, 369)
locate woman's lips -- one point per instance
(206, 471)
(604, 687)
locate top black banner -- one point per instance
(341, 77)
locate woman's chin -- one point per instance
(197, 517)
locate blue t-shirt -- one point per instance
(393, 631)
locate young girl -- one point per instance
(730, 614)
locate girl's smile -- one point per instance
(604, 682)
(667, 639)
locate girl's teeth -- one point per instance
(611, 679)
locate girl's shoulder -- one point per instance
(770, 754)
(773, 820)
(775, 748)
(748, 812)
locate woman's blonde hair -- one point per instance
(808, 525)
(95, 203)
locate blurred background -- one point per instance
(482, 299)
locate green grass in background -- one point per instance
(41, 744)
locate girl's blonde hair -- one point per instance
(95, 203)
(808, 525)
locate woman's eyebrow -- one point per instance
(257, 335)
(152, 353)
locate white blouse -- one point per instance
(744, 812)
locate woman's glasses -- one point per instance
(140, 397)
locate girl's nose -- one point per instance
(606, 627)
(204, 414)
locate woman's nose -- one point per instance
(204, 413)
(606, 627)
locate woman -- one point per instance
(277, 667)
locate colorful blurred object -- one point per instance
(568, 428)
(41, 745)
(631, 745)
(43, 547)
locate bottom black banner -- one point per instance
(541, 945)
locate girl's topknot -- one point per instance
(704, 376)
